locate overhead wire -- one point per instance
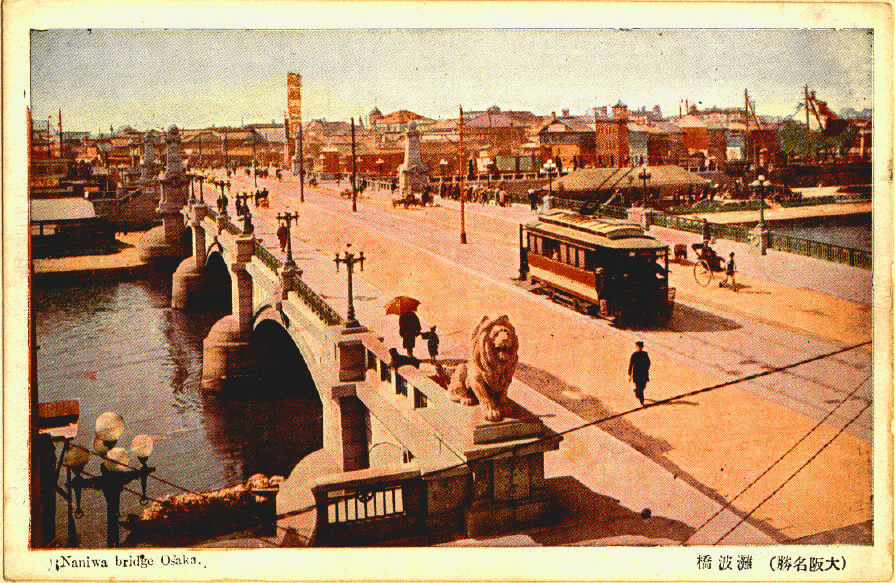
(820, 423)
(794, 474)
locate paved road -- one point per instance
(726, 346)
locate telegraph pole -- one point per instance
(301, 164)
(462, 183)
(353, 172)
(808, 124)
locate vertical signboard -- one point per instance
(293, 114)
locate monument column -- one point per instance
(161, 245)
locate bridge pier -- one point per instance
(227, 354)
(188, 282)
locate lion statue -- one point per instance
(486, 376)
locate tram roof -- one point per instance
(575, 227)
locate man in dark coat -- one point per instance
(638, 370)
(409, 328)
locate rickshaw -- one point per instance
(708, 263)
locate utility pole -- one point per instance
(746, 115)
(353, 172)
(462, 183)
(61, 139)
(808, 124)
(301, 164)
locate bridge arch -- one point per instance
(282, 367)
(218, 283)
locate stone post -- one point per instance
(242, 285)
(200, 252)
(345, 430)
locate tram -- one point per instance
(604, 267)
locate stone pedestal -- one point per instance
(761, 237)
(507, 463)
(351, 357)
(413, 175)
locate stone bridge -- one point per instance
(399, 461)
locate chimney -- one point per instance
(553, 114)
(565, 113)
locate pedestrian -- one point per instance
(730, 273)
(532, 199)
(432, 341)
(706, 234)
(638, 370)
(409, 328)
(282, 234)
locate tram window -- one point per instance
(550, 248)
(581, 258)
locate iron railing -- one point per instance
(317, 305)
(820, 250)
(266, 257)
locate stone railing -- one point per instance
(369, 505)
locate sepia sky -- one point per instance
(197, 78)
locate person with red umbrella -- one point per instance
(409, 326)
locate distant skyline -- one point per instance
(196, 78)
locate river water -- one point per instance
(119, 346)
(854, 231)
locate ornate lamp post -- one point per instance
(286, 219)
(201, 179)
(644, 175)
(760, 185)
(380, 162)
(549, 167)
(349, 260)
(115, 473)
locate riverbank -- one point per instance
(125, 264)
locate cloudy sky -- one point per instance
(193, 78)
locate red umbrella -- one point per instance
(401, 305)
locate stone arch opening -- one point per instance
(283, 413)
(218, 287)
(275, 419)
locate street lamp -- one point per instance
(760, 185)
(115, 472)
(380, 162)
(287, 218)
(349, 260)
(201, 185)
(549, 166)
(644, 175)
